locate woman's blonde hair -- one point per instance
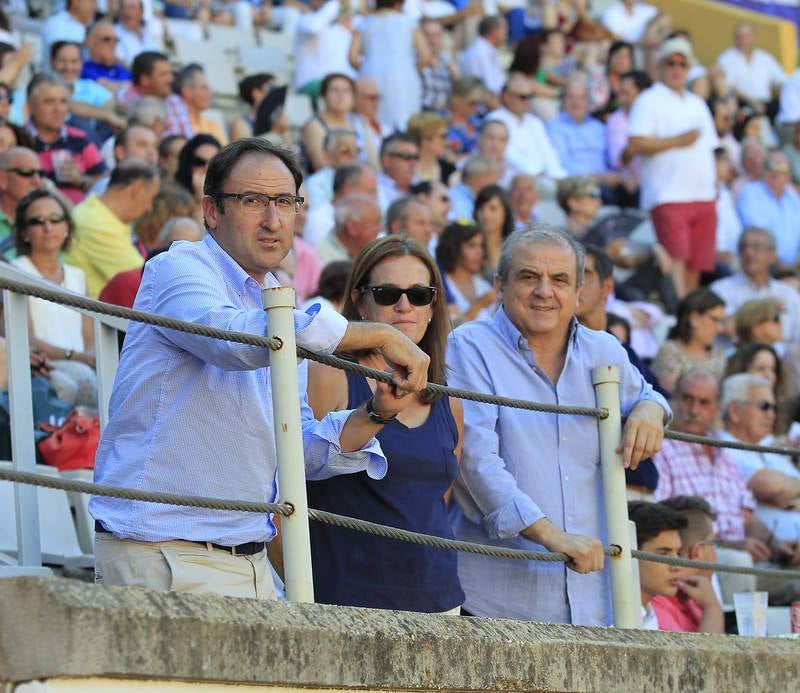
(425, 125)
(434, 341)
(756, 312)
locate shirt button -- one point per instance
(566, 478)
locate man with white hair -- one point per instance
(478, 172)
(358, 223)
(340, 147)
(672, 130)
(754, 74)
(527, 480)
(748, 413)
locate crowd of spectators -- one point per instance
(450, 137)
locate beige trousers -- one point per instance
(181, 566)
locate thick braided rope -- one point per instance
(735, 444)
(715, 567)
(147, 496)
(360, 525)
(76, 301)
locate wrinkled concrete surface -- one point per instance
(63, 628)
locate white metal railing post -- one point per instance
(106, 349)
(627, 611)
(279, 304)
(23, 449)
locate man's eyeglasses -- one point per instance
(257, 203)
(390, 295)
(754, 245)
(404, 156)
(763, 405)
(593, 193)
(371, 97)
(26, 172)
(521, 97)
(677, 63)
(41, 221)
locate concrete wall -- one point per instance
(712, 24)
(60, 631)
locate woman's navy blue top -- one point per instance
(357, 569)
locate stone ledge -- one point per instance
(53, 628)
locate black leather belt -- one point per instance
(248, 549)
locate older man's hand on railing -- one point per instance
(642, 433)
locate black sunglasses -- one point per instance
(389, 295)
(27, 172)
(763, 405)
(198, 161)
(404, 156)
(40, 221)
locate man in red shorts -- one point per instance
(673, 132)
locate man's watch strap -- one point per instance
(375, 417)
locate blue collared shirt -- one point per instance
(518, 467)
(113, 73)
(462, 201)
(758, 206)
(582, 147)
(192, 415)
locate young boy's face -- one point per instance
(658, 578)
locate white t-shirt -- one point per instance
(683, 174)
(321, 45)
(57, 325)
(790, 100)
(529, 148)
(628, 26)
(754, 78)
(482, 60)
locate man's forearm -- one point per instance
(358, 431)
(543, 532)
(647, 146)
(362, 336)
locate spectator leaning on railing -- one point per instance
(533, 348)
(172, 423)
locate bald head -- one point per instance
(101, 41)
(179, 229)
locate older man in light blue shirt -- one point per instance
(532, 480)
(579, 138)
(773, 204)
(192, 415)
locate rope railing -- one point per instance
(356, 524)
(84, 303)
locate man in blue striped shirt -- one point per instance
(192, 415)
(532, 480)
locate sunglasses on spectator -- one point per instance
(27, 172)
(5, 96)
(390, 295)
(371, 97)
(198, 161)
(521, 97)
(677, 63)
(763, 405)
(109, 39)
(41, 221)
(775, 318)
(404, 156)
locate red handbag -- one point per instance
(73, 444)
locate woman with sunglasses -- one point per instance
(393, 281)
(690, 343)
(43, 229)
(193, 163)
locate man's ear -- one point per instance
(498, 286)
(210, 212)
(608, 287)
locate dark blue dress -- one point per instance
(357, 569)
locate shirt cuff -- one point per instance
(509, 521)
(319, 328)
(369, 458)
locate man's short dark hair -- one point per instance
(185, 76)
(131, 170)
(349, 174)
(640, 79)
(144, 64)
(602, 263)
(121, 139)
(55, 49)
(699, 517)
(653, 518)
(488, 24)
(44, 78)
(223, 162)
(395, 138)
(252, 82)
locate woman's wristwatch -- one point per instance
(68, 354)
(375, 417)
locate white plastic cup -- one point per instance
(751, 613)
